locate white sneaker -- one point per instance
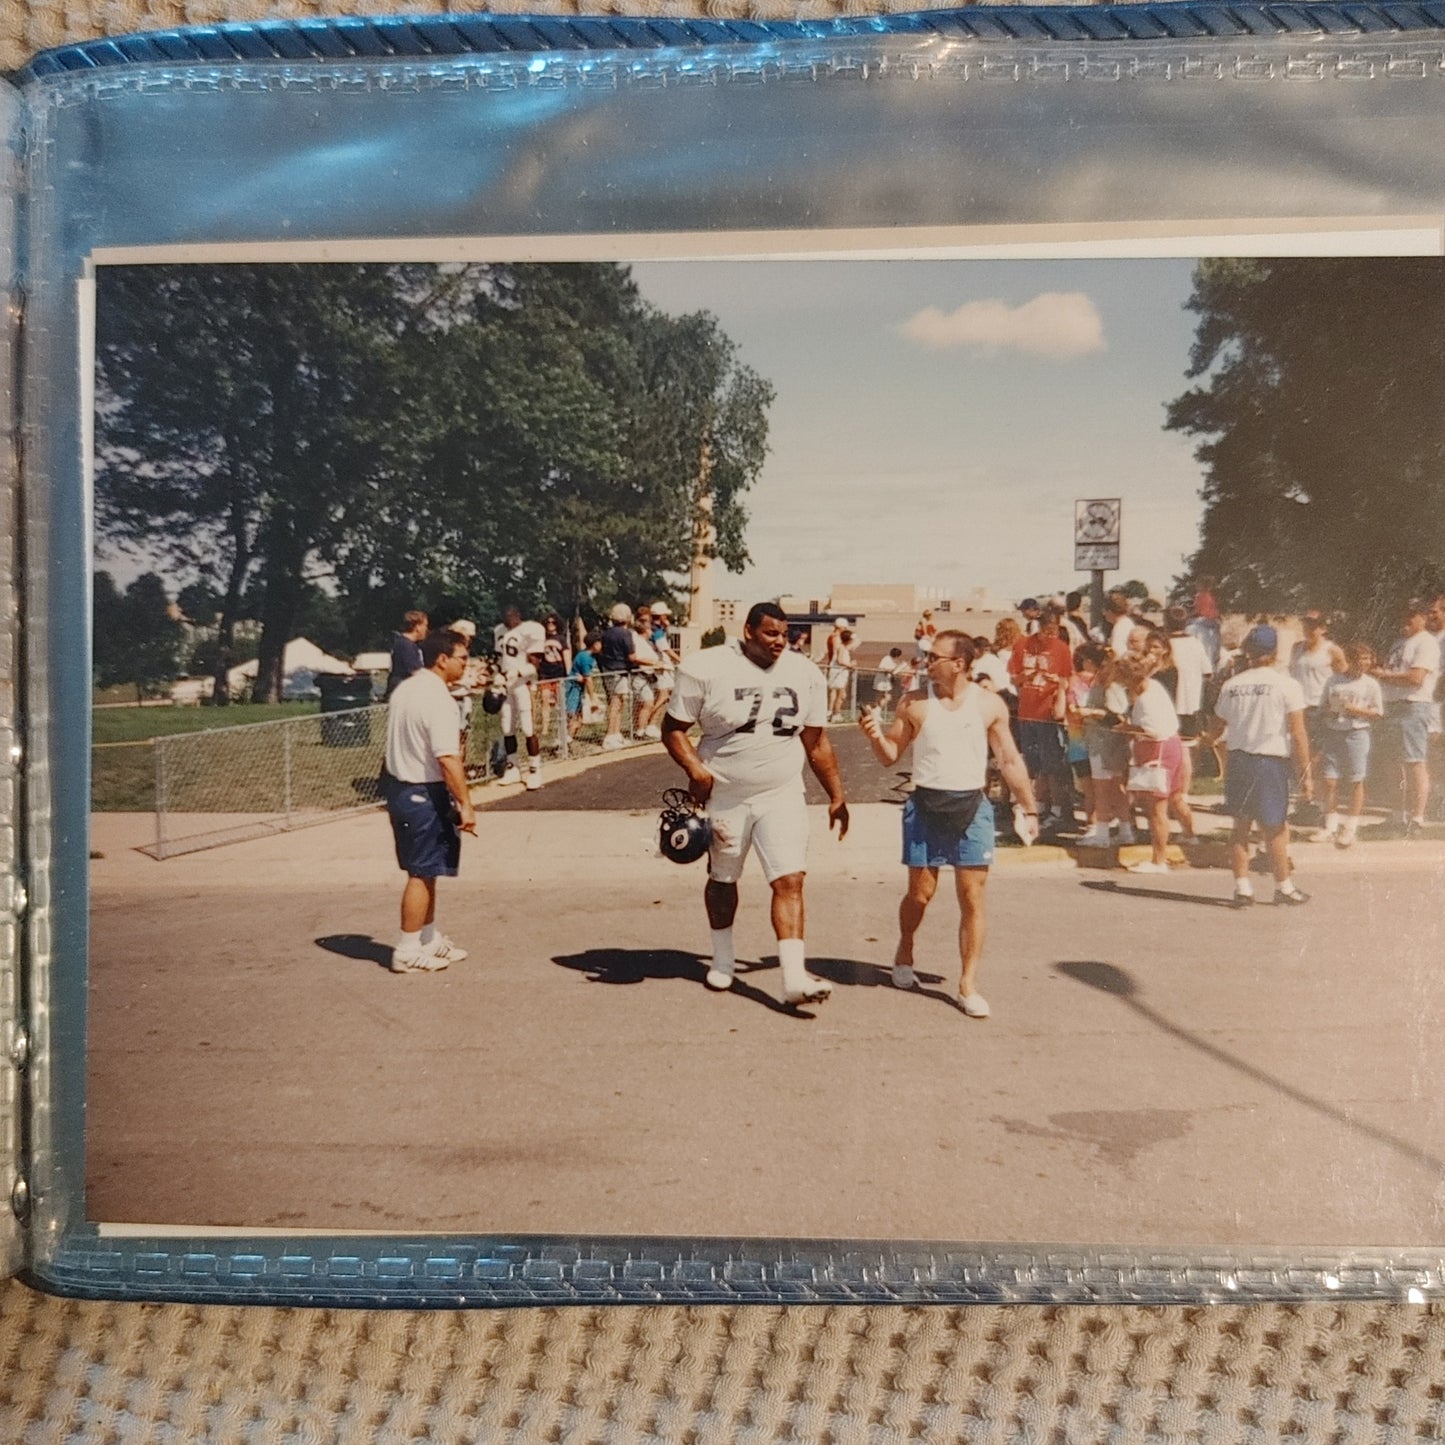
(1126, 837)
(655, 733)
(612, 742)
(718, 980)
(1346, 836)
(444, 947)
(512, 775)
(814, 990)
(1148, 866)
(419, 960)
(904, 976)
(532, 781)
(975, 1005)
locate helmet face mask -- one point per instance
(684, 832)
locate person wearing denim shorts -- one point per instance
(1408, 682)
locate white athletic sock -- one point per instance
(792, 953)
(535, 764)
(723, 958)
(427, 935)
(408, 942)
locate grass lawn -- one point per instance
(137, 724)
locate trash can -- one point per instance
(343, 695)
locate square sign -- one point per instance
(1096, 534)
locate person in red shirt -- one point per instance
(1040, 667)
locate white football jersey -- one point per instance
(750, 716)
(520, 646)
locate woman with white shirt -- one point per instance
(1153, 727)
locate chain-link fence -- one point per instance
(224, 785)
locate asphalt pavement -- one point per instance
(1160, 1069)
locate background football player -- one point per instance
(761, 709)
(519, 647)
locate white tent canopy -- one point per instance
(301, 664)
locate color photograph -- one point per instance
(884, 750)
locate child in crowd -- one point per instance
(1105, 706)
(1087, 658)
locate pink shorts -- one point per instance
(1170, 752)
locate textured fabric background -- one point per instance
(112, 1373)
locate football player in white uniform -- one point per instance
(762, 710)
(519, 646)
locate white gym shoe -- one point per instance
(532, 781)
(718, 980)
(418, 960)
(612, 742)
(975, 1005)
(655, 733)
(814, 990)
(444, 947)
(1346, 836)
(512, 775)
(1148, 866)
(904, 976)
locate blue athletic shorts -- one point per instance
(1257, 787)
(1346, 754)
(424, 826)
(940, 847)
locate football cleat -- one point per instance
(684, 832)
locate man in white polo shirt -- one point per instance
(427, 798)
(1408, 682)
(1261, 711)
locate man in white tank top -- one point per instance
(762, 710)
(952, 724)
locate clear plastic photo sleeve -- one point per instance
(654, 660)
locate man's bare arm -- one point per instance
(1299, 739)
(824, 763)
(1010, 762)
(455, 777)
(890, 746)
(683, 752)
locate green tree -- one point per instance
(1321, 412)
(136, 640)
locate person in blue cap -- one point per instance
(1261, 712)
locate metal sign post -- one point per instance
(1096, 546)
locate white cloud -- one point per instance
(1056, 324)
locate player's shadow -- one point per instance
(640, 965)
(1161, 895)
(851, 973)
(360, 946)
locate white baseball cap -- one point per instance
(465, 627)
(621, 612)
(661, 609)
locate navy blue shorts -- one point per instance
(424, 825)
(1257, 787)
(1042, 744)
(938, 846)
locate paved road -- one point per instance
(1159, 1069)
(636, 780)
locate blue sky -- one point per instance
(935, 420)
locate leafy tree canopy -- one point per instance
(1320, 408)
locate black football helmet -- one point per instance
(684, 832)
(492, 700)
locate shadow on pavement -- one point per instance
(1110, 979)
(1163, 895)
(637, 965)
(360, 946)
